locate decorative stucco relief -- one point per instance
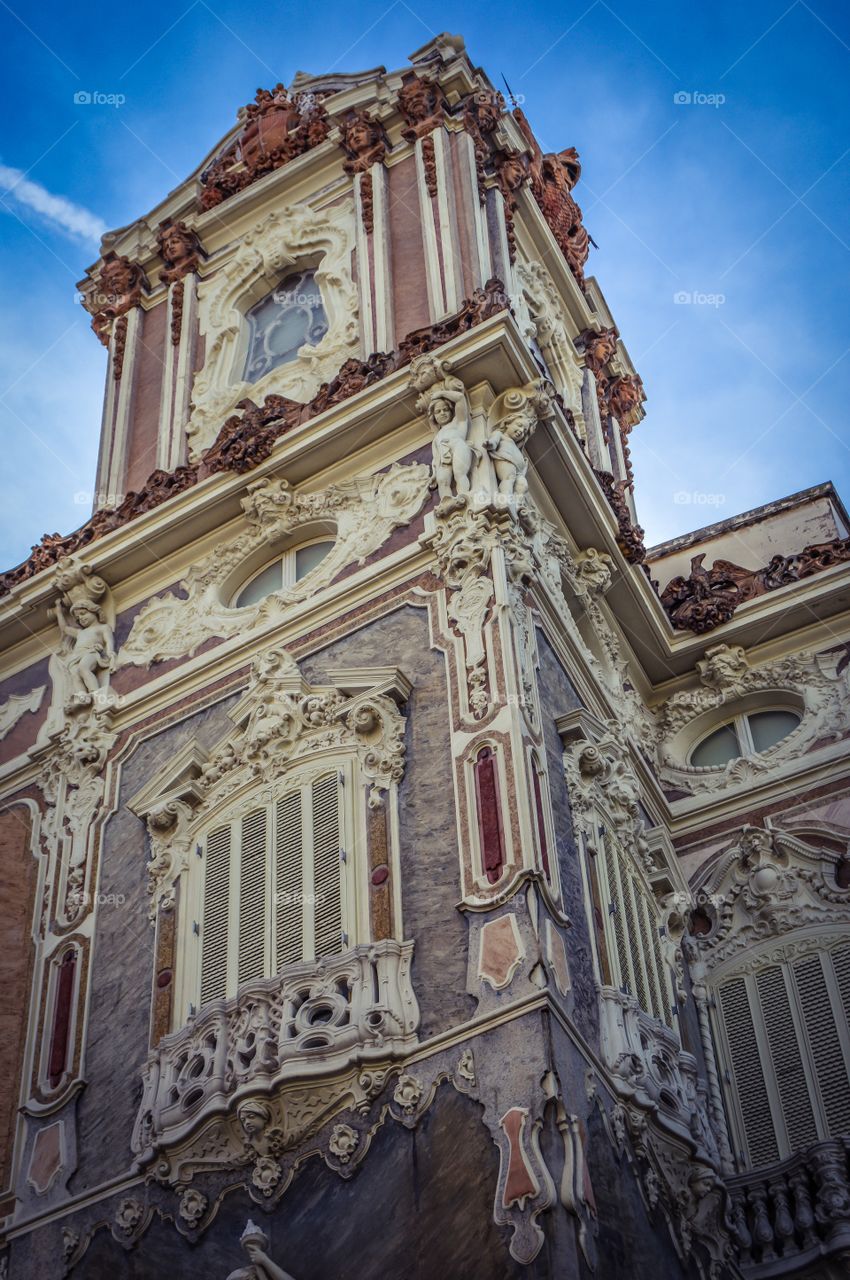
(541, 314)
(287, 237)
(816, 684)
(364, 513)
(17, 706)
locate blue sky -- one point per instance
(737, 198)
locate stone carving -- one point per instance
(407, 1094)
(128, 1216)
(513, 417)
(525, 1188)
(725, 678)
(80, 670)
(601, 776)
(443, 398)
(768, 883)
(545, 326)
(273, 246)
(482, 112)
(364, 141)
(501, 951)
(343, 1142)
(171, 843)
(117, 290)
(598, 347)
(255, 1243)
(629, 534)
(180, 249)
(422, 105)
(276, 129)
(245, 441)
(192, 1207)
(553, 177)
(364, 511)
(18, 705)
(70, 1244)
(709, 597)
(197, 1110)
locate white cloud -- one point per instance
(63, 213)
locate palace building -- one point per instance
(407, 873)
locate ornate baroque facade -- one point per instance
(408, 872)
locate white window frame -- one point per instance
(353, 873)
(770, 956)
(287, 561)
(740, 722)
(646, 966)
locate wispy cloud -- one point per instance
(63, 213)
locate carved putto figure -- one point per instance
(90, 653)
(443, 398)
(513, 417)
(255, 1243)
(119, 288)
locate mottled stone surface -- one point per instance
(122, 965)
(557, 697)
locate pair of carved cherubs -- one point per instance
(512, 419)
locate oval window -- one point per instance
(288, 318)
(746, 735)
(291, 568)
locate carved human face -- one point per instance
(252, 1120)
(442, 411)
(175, 245)
(85, 616)
(360, 136)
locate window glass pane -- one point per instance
(718, 748)
(290, 316)
(769, 727)
(306, 558)
(271, 579)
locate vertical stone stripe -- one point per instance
(380, 878)
(62, 1009)
(162, 999)
(18, 877)
(489, 813)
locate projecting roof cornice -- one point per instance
(494, 354)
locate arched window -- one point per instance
(288, 318)
(745, 735)
(783, 1031)
(275, 884)
(294, 565)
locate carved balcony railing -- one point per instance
(794, 1218)
(650, 1069)
(309, 1020)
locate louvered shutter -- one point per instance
(252, 896)
(632, 896)
(214, 933)
(327, 880)
(747, 1074)
(618, 916)
(289, 880)
(824, 1043)
(787, 1062)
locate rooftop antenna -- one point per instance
(510, 91)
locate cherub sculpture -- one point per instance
(443, 397)
(90, 649)
(512, 420)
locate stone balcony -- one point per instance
(793, 1219)
(308, 1021)
(652, 1071)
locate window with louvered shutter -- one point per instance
(635, 941)
(216, 909)
(273, 887)
(787, 1046)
